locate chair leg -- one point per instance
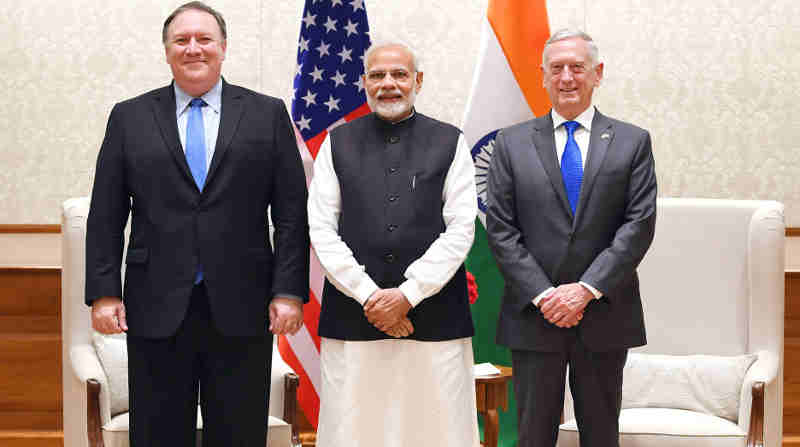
(755, 436)
(94, 426)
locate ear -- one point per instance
(224, 46)
(598, 72)
(544, 77)
(419, 81)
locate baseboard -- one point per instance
(33, 438)
(29, 228)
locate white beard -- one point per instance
(392, 111)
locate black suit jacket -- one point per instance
(142, 171)
(538, 243)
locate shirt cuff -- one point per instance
(597, 294)
(288, 295)
(364, 291)
(411, 290)
(538, 298)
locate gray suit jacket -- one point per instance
(538, 243)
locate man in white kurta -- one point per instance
(396, 350)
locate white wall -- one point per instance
(715, 82)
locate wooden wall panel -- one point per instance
(30, 351)
(30, 291)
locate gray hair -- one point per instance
(392, 43)
(569, 33)
(199, 6)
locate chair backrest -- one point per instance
(75, 317)
(713, 282)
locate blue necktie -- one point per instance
(572, 166)
(196, 153)
(196, 142)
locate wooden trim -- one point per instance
(755, 436)
(29, 268)
(29, 228)
(94, 425)
(290, 384)
(792, 231)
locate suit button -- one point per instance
(389, 258)
(394, 139)
(393, 198)
(391, 227)
(392, 170)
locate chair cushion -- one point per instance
(701, 383)
(115, 433)
(112, 350)
(654, 427)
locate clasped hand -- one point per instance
(564, 306)
(386, 309)
(285, 315)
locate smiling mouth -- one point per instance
(390, 98)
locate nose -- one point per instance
(566, 74)
(193, 46)
(387, 82)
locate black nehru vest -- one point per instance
(391, 178)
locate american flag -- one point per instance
(328, 91)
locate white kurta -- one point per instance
(396, 393)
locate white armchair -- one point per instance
(713, 295)
(94, 373)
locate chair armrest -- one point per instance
(87, 368)
(85, 364)
(291, 382)
(278, 372)
(763, 371)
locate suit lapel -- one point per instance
(601, 136)
(164, 111)
(232, 108)
(544, 142)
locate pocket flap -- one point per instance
(136, 256)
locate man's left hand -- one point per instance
(565, 304)
(386, 307)
(285, 315)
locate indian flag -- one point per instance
(506, 89)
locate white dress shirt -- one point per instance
(581, 134)
(211, 114)
(426, 275)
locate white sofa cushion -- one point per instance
(654, 427)
(112, 350)
(701, 383)
(115, 433)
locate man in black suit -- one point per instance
(197, 164)
(572, 209)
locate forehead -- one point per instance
(194, 21)
(568, 50)
(389, 58)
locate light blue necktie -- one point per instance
(572, 166)
(196, 153)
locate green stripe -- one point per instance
(482, 265)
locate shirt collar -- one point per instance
(212, 97)
(584, 119)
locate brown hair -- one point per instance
(200, 6)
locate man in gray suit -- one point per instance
(572, 210)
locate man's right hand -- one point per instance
(402, 329)
(108, 315)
